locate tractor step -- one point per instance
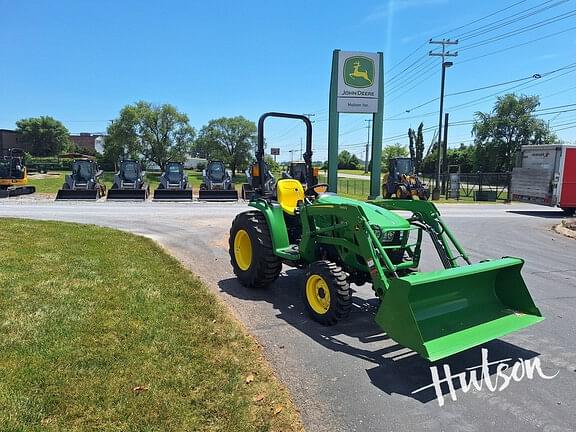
(291, 252)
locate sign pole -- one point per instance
(377, 132)
(333, 126)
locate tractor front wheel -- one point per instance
(327, 293)
(251, 253)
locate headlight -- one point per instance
(387, 236)
(383, 236)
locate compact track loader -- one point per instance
(129, 183)
(83, 183)
(173, 184)
(341, 241)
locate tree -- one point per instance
(46, 135)
(411, 140)
(272, 164)
(416, 146)
(512, 124)
(392, 151)
(346, 160)
(158, 133)
(419, 148)
(231, 139)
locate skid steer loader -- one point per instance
(14, 175)
(339, 241)
(83, 183)
(173, 184)
(217, 183)
(129, 183)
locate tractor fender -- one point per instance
(276, 223)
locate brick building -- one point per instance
(10, 139)
(85, 140)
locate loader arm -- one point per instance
(428, 214)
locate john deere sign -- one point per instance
(358, 82)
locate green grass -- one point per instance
(51, 183)
(101, 330)
(352, 171)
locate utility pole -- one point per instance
(369, 127)
(445, 161)
(445, 65)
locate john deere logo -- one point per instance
(359, 72)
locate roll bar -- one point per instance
(260, 146)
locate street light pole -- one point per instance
(445, 65)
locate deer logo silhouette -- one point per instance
(359, 71)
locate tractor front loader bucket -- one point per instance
(173, 195)
(218, 195)
(77, 194)
(127, 194)
(444, 312)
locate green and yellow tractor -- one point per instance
(340, 241)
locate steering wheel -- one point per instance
(316, 190)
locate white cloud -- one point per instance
(393, 6)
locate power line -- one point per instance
(481, 19)
(518, 45)
(514, 18)
(520, 30)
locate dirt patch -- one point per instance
(567, 228)
(38, 176)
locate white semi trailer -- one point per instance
(546, 174)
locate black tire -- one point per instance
(569, 211)
(338, 289)
(264, 266)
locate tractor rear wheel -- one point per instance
(251, 254)
(327, 293)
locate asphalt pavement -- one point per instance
(351, 377)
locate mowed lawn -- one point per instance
(101, 330)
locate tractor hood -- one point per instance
(376, 215)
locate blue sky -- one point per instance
(81, 61)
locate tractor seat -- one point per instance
(289, 193)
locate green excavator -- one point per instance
(340, 241)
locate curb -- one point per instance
(562, 229)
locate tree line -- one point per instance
(160, 133)
(498, 137)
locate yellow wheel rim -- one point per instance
(318, 294)
(243, 250)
